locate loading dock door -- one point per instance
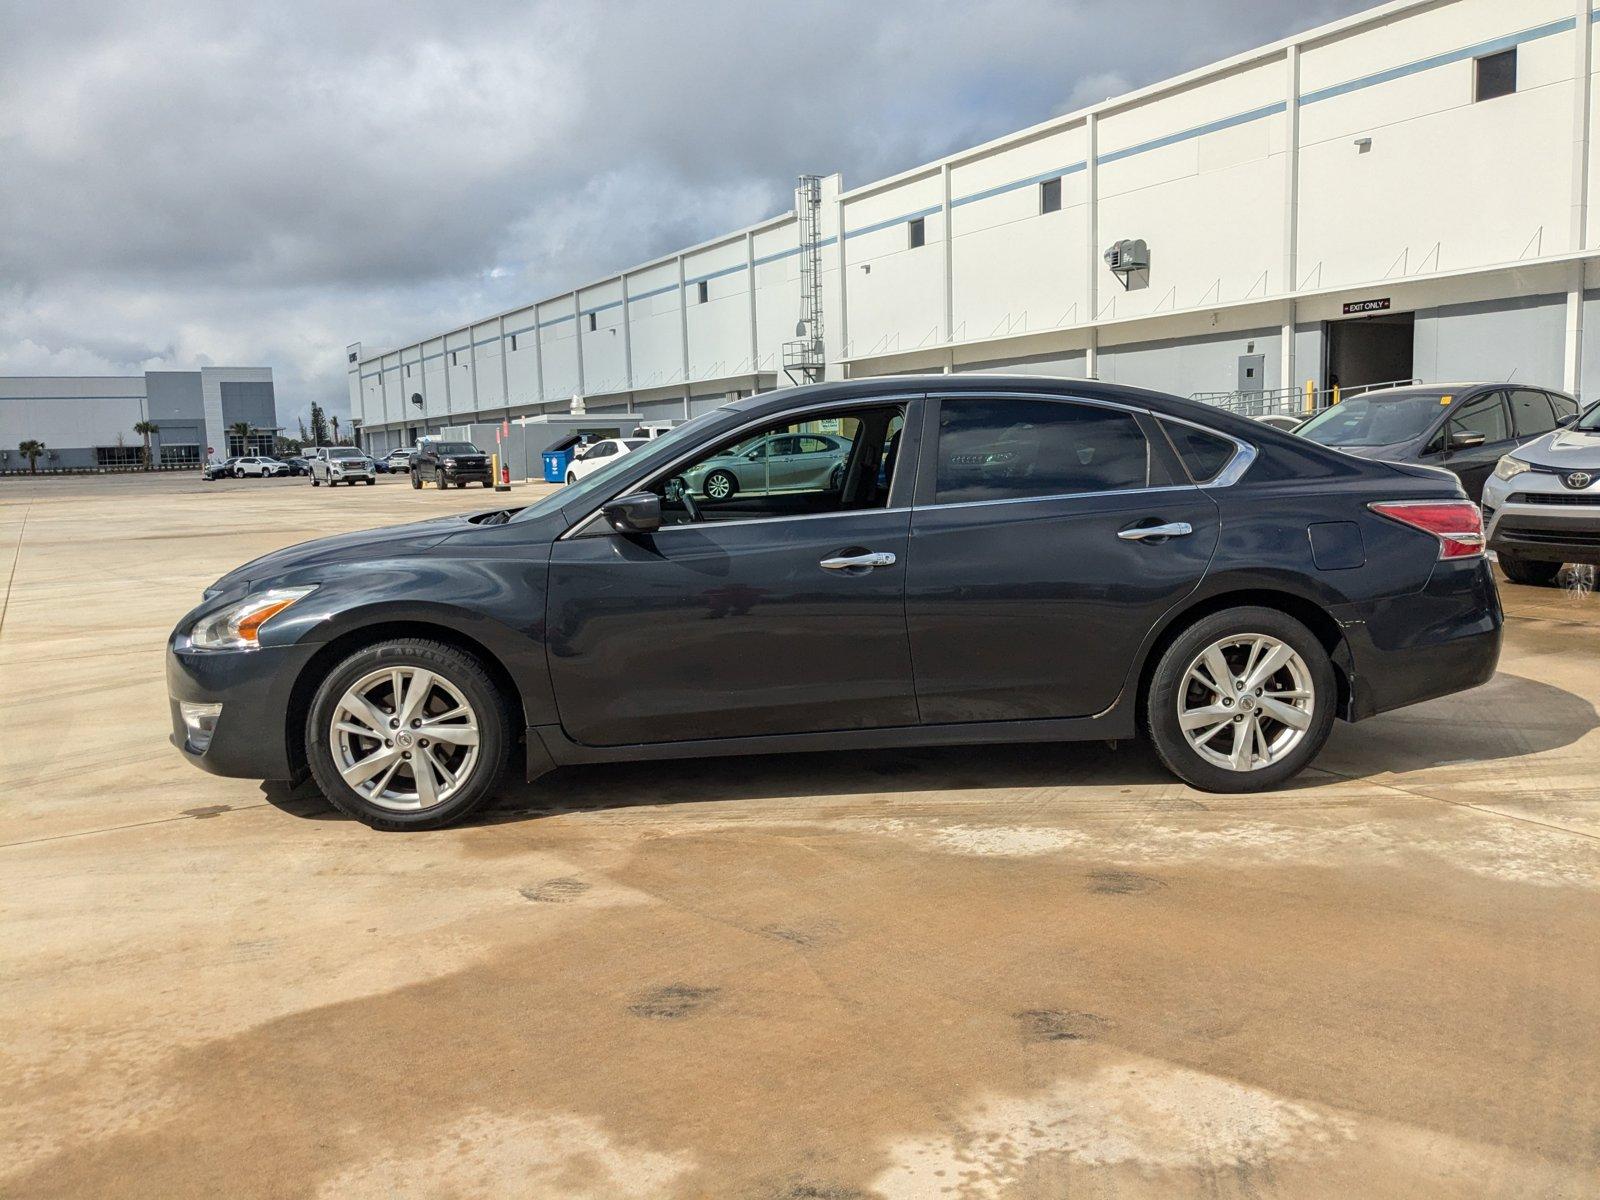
(1366, 350)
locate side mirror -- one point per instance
(1466, 439)
(634, 514)
(1563, 422)
(753, 455)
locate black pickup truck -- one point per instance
(444, 463)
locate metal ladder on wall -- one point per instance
(805, 358)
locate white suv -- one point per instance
(340, 464)
(598, 454)
(259, 465)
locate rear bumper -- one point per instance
(1443, 639)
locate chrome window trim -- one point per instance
(900, 398)
(848, 512)
(1144, 491)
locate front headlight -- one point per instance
(1510, 468)
(237, 626)
(449, 462)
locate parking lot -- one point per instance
(990, 972)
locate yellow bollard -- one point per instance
(1311, 395)
(1336, 393)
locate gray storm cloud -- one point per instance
(260, 184)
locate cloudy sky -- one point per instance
(191, 183)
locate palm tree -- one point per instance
(242, 431)
(32, 449)
(144, 429)
(335, 421)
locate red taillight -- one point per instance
(1456, 523)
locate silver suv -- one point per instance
(340, 464)
(1541, 507)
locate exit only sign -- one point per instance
(1366, 306)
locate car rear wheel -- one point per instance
(720, 485)
(1241, 701)
(416, 481)
(408, 734)
(1529, 571)
(315, 482)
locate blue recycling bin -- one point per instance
(555, 465)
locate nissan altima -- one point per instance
(1000, 560)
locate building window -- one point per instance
(118, 456)
(594, 323)
(1050, 196)
(180, 456)
(1497, 74)
(453, 362)
(918, 233)
(703, 291)
(513, 341)
(408, 370)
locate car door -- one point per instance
(1035, 574)
(1483, 414)
(776, 613)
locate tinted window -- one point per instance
(1050, 196)
(1203, 454)
(455, 448)
(1375, 420)
(1531, 412)
(1485, 415)
(1006, 449)
(1565, 406)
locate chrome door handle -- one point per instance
(878, 558)
(1171, 529)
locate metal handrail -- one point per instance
(1291, 401)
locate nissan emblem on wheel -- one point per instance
(889, 562)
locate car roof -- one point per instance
(1161, 403)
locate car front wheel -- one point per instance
(1241, 701)
(315, 482)
(416, 481)
(1528, 571)
(720, 485)
(408, 734)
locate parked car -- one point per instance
(1465, 428)
(1046, 562)
(795, 461)
(1285, 421)
(597, 454)
(397, 460)
(1542, 503)
(217, 470)
(446, 463)
(341, 464)
(259, 465)
(297, 464)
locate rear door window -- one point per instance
(1008, 449)
(1532, 413)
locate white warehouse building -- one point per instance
(1401, 194)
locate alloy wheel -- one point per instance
(719, 486)
(404, 738)
(1246, 701)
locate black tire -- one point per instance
(488, 483)
(315, 482)
(721, 478)
(1167, 682)
(416, 481)
(371, 481)
(1529, 571)
(571, 479)
(238, 472)
(461, 483)
(464, 673)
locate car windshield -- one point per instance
(634, 443)
(1375, 420)
(1589, 422)
(456, 448)
(587, 488)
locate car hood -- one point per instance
(1567, 449)
(393, 541)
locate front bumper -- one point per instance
(1534, 515)
(251, 738)
(483, 474)
(1406, 649)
